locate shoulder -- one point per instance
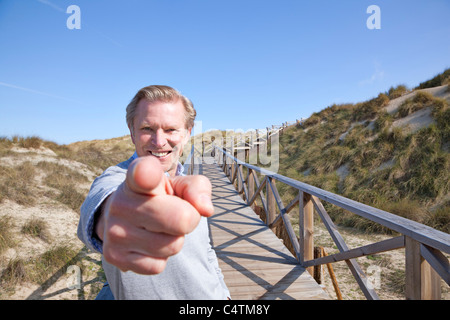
(114, 174)
(121, 167)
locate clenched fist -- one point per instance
(144, 221)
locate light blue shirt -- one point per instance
(193, 273)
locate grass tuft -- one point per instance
(64, 179)
(16, 184)
(46, 264)
(36, 228)
(6, 236)
(14, 273)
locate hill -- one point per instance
(391, 152)
(42, 186)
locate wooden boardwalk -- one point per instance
(254, 262)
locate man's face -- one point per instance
(159, 130)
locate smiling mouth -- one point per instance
(159, 154)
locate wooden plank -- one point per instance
(280, 291)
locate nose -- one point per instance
(159, 139)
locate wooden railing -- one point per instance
(424, 246)
(192, 161)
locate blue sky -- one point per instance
(245, 64)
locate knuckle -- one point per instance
(116, 233)
(187, 222)
(157, 266)
(113, 257)
(175, 246)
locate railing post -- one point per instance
(251, 187)
(422, 282)
(412, 269)
(431, 282)
(224, 164)
(238, 178)
(271, 204)
(306, 232)
(191, 167)
(233, 169)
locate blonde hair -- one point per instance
(159, 93)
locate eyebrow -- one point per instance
(163, 126)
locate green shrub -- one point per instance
(312, 120)
(439, 218)
(383, 121)
(397, 91)
(441, 114)
(421, 100)
(369, 109)
(436, 81)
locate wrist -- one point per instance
(99, 221)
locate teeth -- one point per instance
(159, 154)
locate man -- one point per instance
(146, 218)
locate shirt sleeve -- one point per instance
(101, 188)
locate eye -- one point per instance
(146, 129)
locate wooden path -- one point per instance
(254, 262)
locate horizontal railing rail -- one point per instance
(424, 246)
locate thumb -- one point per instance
(146, 176)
